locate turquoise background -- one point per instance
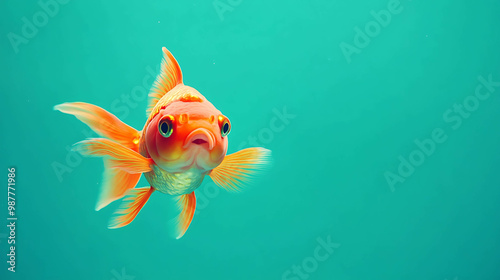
(352, 122)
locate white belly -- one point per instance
(175, 183)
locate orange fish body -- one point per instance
(184, 139)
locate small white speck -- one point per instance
(426, 35)
(158, 21)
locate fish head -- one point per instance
(186, 135)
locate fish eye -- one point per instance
(225, 126)
(166, 126)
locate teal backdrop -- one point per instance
(382, 117)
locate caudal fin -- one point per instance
(103, 123)
(123, 165)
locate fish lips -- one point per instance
(202, 137)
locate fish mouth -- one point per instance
(199, 141)
(200, 137)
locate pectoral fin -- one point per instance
(118, 156)
(239, 168)
(130, 207)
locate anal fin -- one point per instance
(116, 183)
(187, 204)
(130, 207)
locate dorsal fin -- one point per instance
(170, 76)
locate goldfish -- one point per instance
(184, 139)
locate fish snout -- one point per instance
(200, 136)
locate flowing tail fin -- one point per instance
(123, 164)
(103, 123)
